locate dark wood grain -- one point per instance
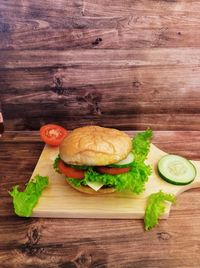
(129, 94)
(124, 64)
(127, 64)
(99, 24)
(132, 89)
(95, 243)
(105, 7)
(109, 58)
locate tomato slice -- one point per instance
(112, 171)
(53, 134)
(70, 172)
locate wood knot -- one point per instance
(163, 236)
(33, 235)
(31, 247)
(31, 250)
(84, 260)
(90, 258)
(59, 89)
(58, 85)
(97, 41)
(136, 84)
(4, 28)
(92, 100)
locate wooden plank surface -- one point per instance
(133, 87)
(92, 242)
(99, 24)
(128, 64)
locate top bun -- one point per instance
(95, 146)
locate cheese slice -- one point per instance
(95, 185)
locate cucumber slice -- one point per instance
(125, 162)
(176, 169)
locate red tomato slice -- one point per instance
(53, 134)
(70, 172)
(113, 171)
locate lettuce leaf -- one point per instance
(141, 145)
(25, 201)
(134, 180)
(55, 164)
(156, 207)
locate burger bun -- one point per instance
(95, 146)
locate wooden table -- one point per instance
(93, 242)
(122, 63)
(129, 64)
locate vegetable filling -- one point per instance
(132, 178)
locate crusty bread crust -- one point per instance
(95, 146)
(88, 190)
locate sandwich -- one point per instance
(99, 160)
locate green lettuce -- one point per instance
(156, 207)
(25, 201)
(134, 180)
(55, 164)
(141, 145)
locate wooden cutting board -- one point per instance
(59, 200)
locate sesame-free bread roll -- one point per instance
(95, 146)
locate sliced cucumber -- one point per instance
(176, 169)
(125, 162)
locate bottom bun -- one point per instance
(88, 190)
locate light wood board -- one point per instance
(59, 200)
